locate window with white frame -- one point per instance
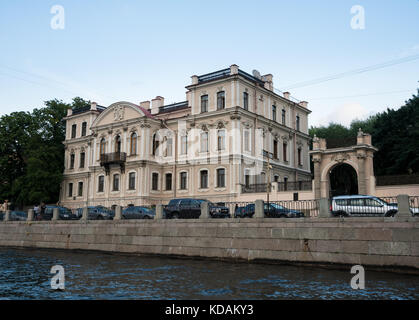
(204, 179)
(183, 180)
(221, 140)
(204, 141)
(221, 177)
(131, 181)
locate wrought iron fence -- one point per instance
(255, 188)
(310, 208)
(397, 179)
(235, 207)
(295, 186)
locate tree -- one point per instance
(32, 153)
(394, 132)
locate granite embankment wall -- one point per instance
(380, 242)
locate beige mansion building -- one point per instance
(214, 145)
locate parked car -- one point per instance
(271, 210)
(18, 216)
(138, 212)
(63, 212)
(97, 213)
(364, 205)
(191, 209)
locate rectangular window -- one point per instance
(220, 100)
(204, 103)
(220, 178)
(131, 181)
(245, 101)
(83, 129)
(184, 145)
(247, 180)
(299, 157)
(204, 179)
(169, 147)
(168, 181)
(246, 140)
(275, 149)
(221, 140)
(82, 157)
(285, 183)
(101, 184)
(72, 158)
(73, 131)
(116, 182)
(70, 189)
(80, 189)
(204, 142)
(297, 123)
(155, 181)
(284, 151)
(283, 117)
(274, 113)
(183, 180)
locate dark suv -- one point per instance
(272, 210)
(191, 209)
(64, 213)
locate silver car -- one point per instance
(359, 205)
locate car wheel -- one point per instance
(390, 213)
(99, 217)
(341, 214)
(175, 215)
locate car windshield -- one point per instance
(381, 201)
(276, 206)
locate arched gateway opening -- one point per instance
(343, 180)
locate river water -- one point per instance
(25, 274)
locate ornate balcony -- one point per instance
(115, 158)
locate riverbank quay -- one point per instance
(380, 243)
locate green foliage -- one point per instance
(394, 132)
(32, 153)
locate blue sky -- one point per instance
(135, 50)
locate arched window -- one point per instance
(133, 145)
(118, 144)
(102, 146)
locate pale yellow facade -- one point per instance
(227, 137)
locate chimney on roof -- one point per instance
(93, 106)
(145, 105)
(69, 112)
(156, 103)
(194, 79)
(234, 69)
(303, 104)
(287, 95)
(269, 85)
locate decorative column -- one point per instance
(362, 186)
(317, 177)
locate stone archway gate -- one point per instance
(359, 156)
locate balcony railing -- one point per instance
(115, 157)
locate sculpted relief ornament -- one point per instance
(340, 157)
(119, 113)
